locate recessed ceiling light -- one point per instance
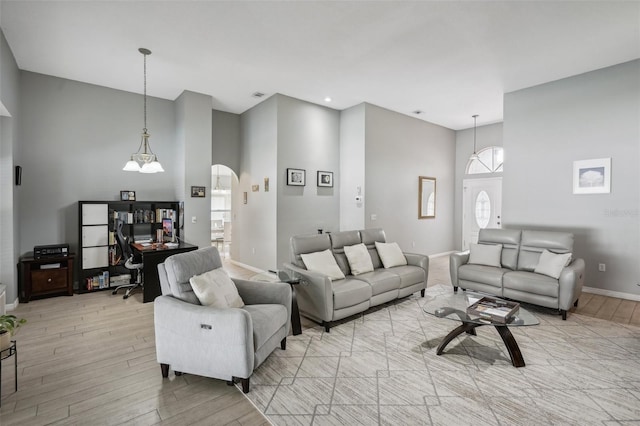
(327, 99)
(257, 94)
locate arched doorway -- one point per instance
(222, 178)
(482, 194)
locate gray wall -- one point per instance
(226, 144)
(352, 164)
(9, 218)
(255, 226)
(75, 139)
(546, 129)
(489, 135)
(400, 148)
(193, 121)
(308, 138)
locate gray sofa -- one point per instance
(224, 344)
(516, 279)
(324, 301)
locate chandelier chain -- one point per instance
(145, 92)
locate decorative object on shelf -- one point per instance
(127, 195)
(8, 326)
(266, 184)
(255, 188)
(592, 176)
(426, 197)
(325, 179)
(144, 160)
(296, 177)
(197, 192)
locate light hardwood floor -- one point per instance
(90, 360)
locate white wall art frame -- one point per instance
(592, 176)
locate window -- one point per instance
(483, 209)
(489, 160)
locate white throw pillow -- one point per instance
(390, 254)
(359, 259)
(485, 254)
(551, 264)
(215, 288)
(324, 263)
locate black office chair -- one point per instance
(129, 263)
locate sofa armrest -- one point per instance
(455, 261)
(262, 292)
(570, 282)
(314, 293)
(201, 339)
(418, 260)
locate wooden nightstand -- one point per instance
(45, 277)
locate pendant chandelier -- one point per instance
(144, 160)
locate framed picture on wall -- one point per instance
(325, 179)
(296, 177)
(197, 191)
(592, 176)
(127, 195)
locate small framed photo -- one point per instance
(127, 195)
(592, 176)
(197, 191)
(325, 179)
(296, 177)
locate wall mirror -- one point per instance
(426, 197)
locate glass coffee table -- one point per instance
(453, 306)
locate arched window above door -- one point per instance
(488, 160)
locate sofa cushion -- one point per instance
(409, 275)
(485, 254)
(489, 275)
(552, 264)
(359, 259)
(534, 242)
(338, 241)
(300, 244)
(349, 292)
(369, 238)
(381, 281)
(214, 288)
(182, 266)
(267, 319)
(510, 240)
(530, 282)
(390, 254)
(322, 262)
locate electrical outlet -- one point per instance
(253, 250)
(374, 217)
(413, 244)
(194, 219)
(602, 267)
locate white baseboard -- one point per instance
(11, 306)
(618, 294)
(249, 267)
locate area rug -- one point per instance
(380, 368)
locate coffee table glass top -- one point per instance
(453, 306)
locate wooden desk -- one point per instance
(152, 256)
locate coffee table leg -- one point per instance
(512, 345)
(464, 328)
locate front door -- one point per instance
(481, 207)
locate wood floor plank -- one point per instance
(624, 312)
(608, 308)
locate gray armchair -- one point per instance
(224, 344)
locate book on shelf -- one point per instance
(494, 309)
(98, 281)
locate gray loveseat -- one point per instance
(516, 279)
(324, 301)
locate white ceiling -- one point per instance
(449, 59)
